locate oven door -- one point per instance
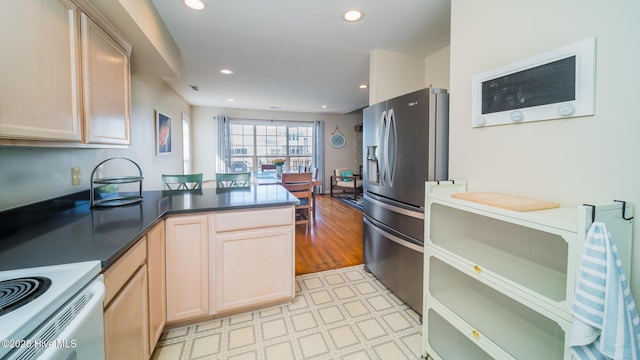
(76, 331)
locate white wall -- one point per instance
(32, 174)
(393, 74)
(205, 132)
(436, 67)
(573, 161)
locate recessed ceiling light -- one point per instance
(324, 106)
(226, 71)
(353, 15)
(363, 86)
(194, 4)
(231, 100)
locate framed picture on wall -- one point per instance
(163, 134)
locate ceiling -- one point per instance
(294, 55)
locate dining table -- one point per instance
(271, 178)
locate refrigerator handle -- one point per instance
(391, 149)
(383, 151)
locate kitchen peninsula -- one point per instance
(174, 257)
(66, 229)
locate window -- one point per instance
(186, 145)
(258, 142)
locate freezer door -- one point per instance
(405, 219)
(395, 261)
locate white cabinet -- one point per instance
(187, 271)
(254, 260)
(65, 76)
(500, 283)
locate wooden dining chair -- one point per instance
(182, 182)
(267, 167)
(299, 184)
(233, 180)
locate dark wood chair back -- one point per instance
(299, 184)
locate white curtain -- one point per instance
(224, 144)
(318, 149)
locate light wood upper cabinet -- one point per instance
(106, 84)
(65, 76)
(157, 283)
(41, 83)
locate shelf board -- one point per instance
(118, 180)
(545, 281)
(561, 218)
(119, 201)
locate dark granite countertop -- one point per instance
(68, 230)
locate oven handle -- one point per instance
(72, 329)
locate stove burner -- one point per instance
(15, 293)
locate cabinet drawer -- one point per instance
(119, 273)
(529, 256)
(517, 329)
(253, 219)
(446, 342)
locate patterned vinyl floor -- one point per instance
(337, 314)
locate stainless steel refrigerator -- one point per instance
(406, 142)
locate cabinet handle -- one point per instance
(477, 268)
(475, 334)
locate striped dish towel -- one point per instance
(606, 323)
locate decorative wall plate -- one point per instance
(337, 138)
(337, 141)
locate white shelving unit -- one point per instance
(500, 283)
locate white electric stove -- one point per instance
(52, 312)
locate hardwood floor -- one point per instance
(334, 238)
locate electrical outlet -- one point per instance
(75, 176)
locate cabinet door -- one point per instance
(106, 77)
(125, 320)
(254, 267)
(157, 283)
(187, 267)
(40, 67)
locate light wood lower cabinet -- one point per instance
(187, 267)
(253, 266)
(126, 324)
(157, 283)
(229, 261)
